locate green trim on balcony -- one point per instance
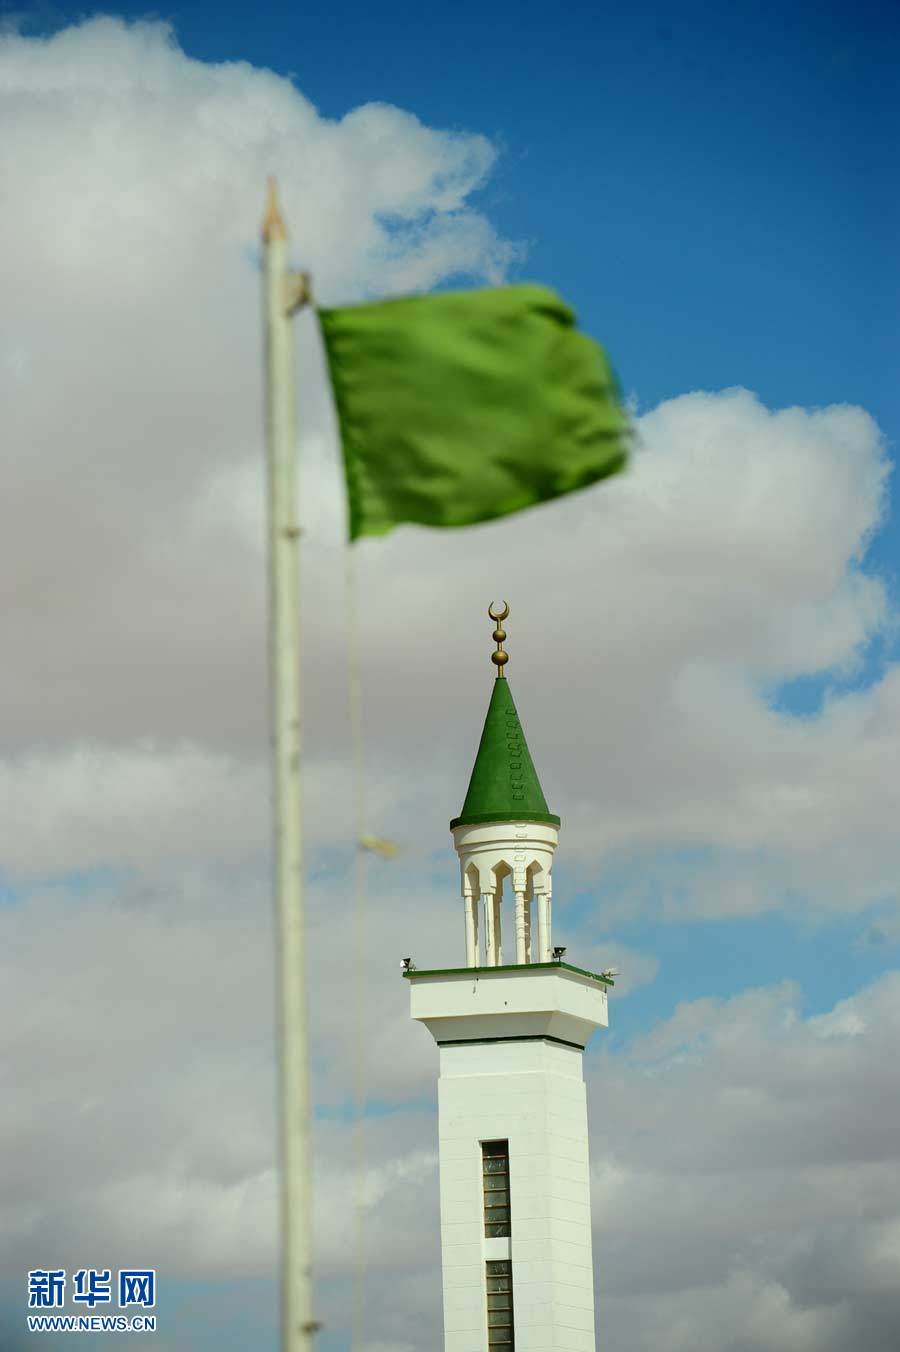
(511, 967)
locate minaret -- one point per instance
(511, 1026)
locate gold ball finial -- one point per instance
(499, 658)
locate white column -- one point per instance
(528, 953)
(490, 952)
(469, 906)
(543, 902)
(521, 953)
(498, 932)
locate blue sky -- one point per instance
(714, 192)
(708, 188)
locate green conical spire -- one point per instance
(504, 786)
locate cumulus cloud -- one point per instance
(735, 1164)
(92, 805)
(729, 560)
(651, 620)
(744, 1196)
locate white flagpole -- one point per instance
(283, 293)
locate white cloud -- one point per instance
(93, 806)
(738, 1162)
(744, 1178)
(743, 1154)
(726, 561)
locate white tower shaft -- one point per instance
(512, 1089)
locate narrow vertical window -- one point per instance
(495, 1170)
(500, 1306)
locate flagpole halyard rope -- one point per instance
(360, 909)
(387, 849)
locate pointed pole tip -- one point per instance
(273, 226)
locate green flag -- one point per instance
(464, 406)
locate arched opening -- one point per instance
(538, 925)
(500, 872)
(471, 901)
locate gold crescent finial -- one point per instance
(499, 658)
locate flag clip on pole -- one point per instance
(283, 294)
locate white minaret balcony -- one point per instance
(558, 1002)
